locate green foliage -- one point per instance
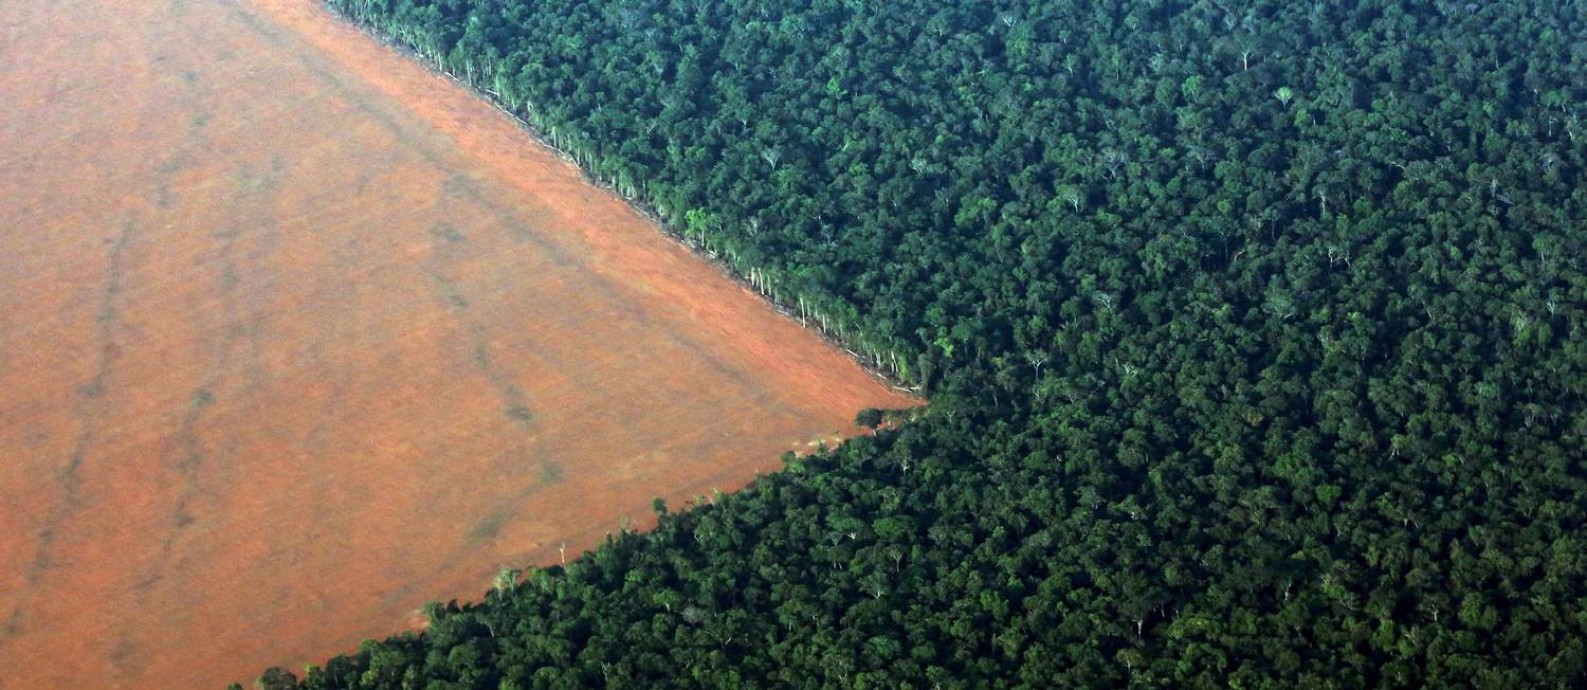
(1256, 335)
(870, 418)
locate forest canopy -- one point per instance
(1254, 332)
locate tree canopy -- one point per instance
(1254, 330)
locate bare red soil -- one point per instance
(296, 336)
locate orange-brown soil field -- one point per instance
(296, 335)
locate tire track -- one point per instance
(237, 339)
(514, 404)
(191, 462)
(90, 413)
(447, 244)
(375, 106)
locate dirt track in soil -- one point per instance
(296, 335)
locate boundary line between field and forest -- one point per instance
(641, 207)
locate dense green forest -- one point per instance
(1255, 330)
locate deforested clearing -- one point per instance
(296, 336)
